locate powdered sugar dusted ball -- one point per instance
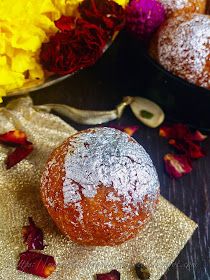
(177, 7)
(100, 187)
(182, 46)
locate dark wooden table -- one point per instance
(102, 87)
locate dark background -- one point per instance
(125, 70)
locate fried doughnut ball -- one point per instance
(182, 46)
(100, 187)
(177, 7)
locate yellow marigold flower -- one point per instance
(24, 26)
(122, 2)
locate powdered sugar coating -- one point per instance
(183, 47)
(107, 157)
(187, 6)
(174, 4)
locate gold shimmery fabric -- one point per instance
(156, 246)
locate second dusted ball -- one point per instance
(182, 46)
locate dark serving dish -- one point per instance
(181, 100)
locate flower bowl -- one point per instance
(51, 79)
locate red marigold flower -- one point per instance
(112, 275)
(67, 52)
(36, 264)
(20, 153)
(13, 138)
(33, 236)
(177, 165)
(65, 23)
(105, 13)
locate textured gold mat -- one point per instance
(156, 246)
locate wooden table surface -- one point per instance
(101, 87)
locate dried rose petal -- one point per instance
(19, 154)
(36, 263)
(189, 148)
(181, 131)
(177, 165)
(165, 131)
(65, 23)
(33, 236)
(112, 275)
(130, 130)
(176, 131)
(14, 138)
(198, 136)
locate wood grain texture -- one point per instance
(102, 87)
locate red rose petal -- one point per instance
(14, 137)
(130, 130)
(177, 165)
(33, 236)
(176, 131)
(112, 275)
(181, 131)
(165, 131)
(65, 23)
(36, 263)
(18, 154)
(198, 136)
(189, 148)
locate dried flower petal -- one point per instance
(65, 23)
(14, 138)
(142, 271)
(165, 132)
(36, 263)
(19, 154)
(112, 275)
(198, 136)
(176, 131)
(130, 130)
(33, 236)
(177, 165)
(181, 131)
(189, 148)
